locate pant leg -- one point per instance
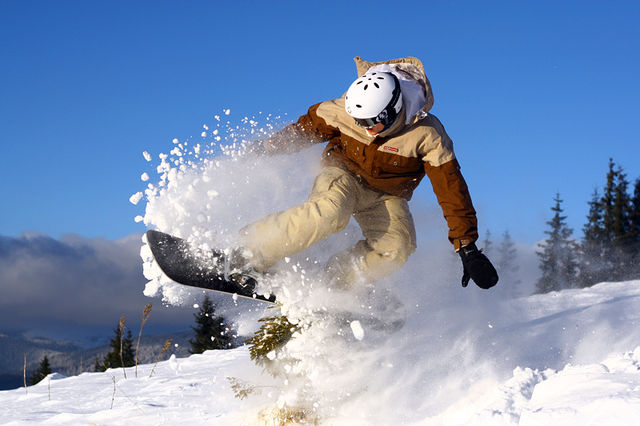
(327, 211)
(390, 238)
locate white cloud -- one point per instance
(75, 282)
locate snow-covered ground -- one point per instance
(407, 389)
(416, 348)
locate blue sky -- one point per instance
(536, 95)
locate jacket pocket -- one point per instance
(385, 164)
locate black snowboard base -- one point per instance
(194, 267)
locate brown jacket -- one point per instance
(396, 160)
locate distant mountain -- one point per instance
(13, 348)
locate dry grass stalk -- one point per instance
(121, 343)
(241, 389)
(145, 317)
(165, 348)
(286, 416)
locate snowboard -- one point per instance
(199, 268)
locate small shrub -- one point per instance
(272, 335)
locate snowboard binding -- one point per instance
(207, 269)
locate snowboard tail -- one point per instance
(199, 268)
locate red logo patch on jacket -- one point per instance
(390, 148)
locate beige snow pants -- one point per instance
(385, 220)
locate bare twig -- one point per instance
(165, 348)
(119, 389)
(131, 400)
(145, 317)
(24, 373)
(121, 342)
(113, 396)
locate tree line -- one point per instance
(505, 257)
(210, 332)
(610, 247)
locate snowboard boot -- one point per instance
(236, 267)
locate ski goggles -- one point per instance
(386, 117)
(367, 123)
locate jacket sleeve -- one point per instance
(309, 129)
(453, 196)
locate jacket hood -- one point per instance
(416, 88)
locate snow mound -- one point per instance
(207, 388)
(607, 393)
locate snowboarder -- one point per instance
(382, 140)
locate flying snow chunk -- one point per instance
(144, 177)
(226, 111)
(146, 156)
(356, 329)
(135, 198)
(176, 141)
(138, 219)
(203, 134)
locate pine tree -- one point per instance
(507, 264)
(621, 227)
(487, 245)
(615, 244)
(211, 331)
(634, 214)
(593, 249)
(611, 243)
(607, 201)
(118, 342)
(558, 256)
(43, 371)
(621, 208)
(634, 231)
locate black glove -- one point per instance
(477, 267)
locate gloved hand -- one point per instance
(477, 267)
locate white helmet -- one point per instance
(374, 98)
